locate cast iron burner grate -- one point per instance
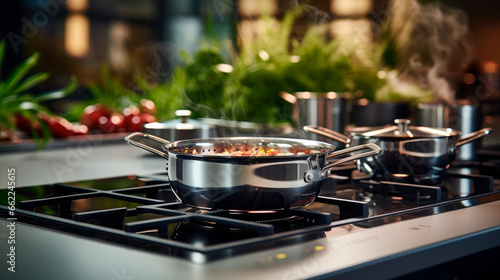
(148, 217)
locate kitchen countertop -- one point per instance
(78, 162)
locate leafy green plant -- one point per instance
(166, 96)
(195, 85)
(16, 99)
(277, 62)
(274, 62)
(259, 76)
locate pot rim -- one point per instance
(182, 146)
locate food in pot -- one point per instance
(246, 153)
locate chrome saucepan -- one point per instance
(406, 150)
(204, 174)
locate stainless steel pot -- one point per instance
(200, 176)
(325, 109)
(406, 150)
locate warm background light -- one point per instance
(76, 42)
(77, 5)
(469, 78)
(77, 29)
(356, 30)
(257, 7)
(251, 29)
(490, 67)
(351, 7)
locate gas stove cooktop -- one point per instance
(357, 226)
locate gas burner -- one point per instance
(428, 180)
(209, 232)
(402, 191)
(462, 185)
(260, 216)
(281, 219)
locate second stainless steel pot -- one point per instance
(201, 176)
(325, 109)
(421, 152)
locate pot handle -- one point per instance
(472, 136)
(134, 139)
(318, 175)
(328, 133)
(373, 150)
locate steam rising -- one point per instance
(432, 43)
(312, 13)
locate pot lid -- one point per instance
(182, 123)
(402, 129)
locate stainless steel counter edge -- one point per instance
(75, 163)
(378, 253)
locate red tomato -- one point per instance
(5, 134)
(80, 129)
(111, 124)
(91, 114)
(60, 127)
(147, 118)
(131, 116)
(25, 125)
(148, 107)
(134, 124)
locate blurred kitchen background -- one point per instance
(243, 60)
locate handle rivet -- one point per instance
(309, 177)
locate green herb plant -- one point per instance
(17, 100)
(194, 85)
(274, 62)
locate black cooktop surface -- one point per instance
(143, 213)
